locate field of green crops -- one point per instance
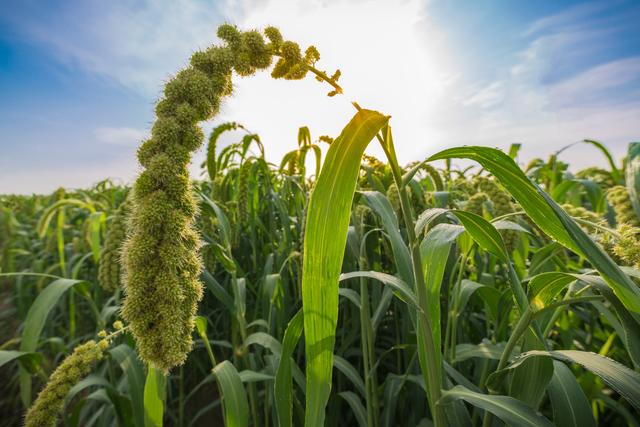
(333, 289)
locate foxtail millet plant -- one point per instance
(618, 198)
(162, 264)
(501, 204)
(47, 408)
(475, 204)
(109, 271)
(212, 145)
(627, 246)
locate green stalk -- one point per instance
(367, 342)
(433, 379)
(455, 314)
(518, 331)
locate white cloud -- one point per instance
(596, 81)
(121, 136)
(137, 46)
(487, 97)
(568, 18)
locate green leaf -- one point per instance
(28, 359)
(514, 149)
(201, 326)
(544, 287)
(624, 288)
(615, 172)
(356, 406)
(234, 397)
(400, 288)
(47, 215)
(95, 222)
(623, 380)
(133, 369)
(434, 253)
(631, 327)
(427, 217)
(350, 372)
(154, 395)
(91, 381)
(283, 387)
(467, 289)
(549, 217)
(484, 233)
(33, 324)
(530, 380)
(633, 175)
(488, 238)
(351, 295)
(223, 221)
(381, 205)
(248, 376)
(265, 340)
(510, 410)
(325, 239)
(484, 350)
(570, 406)
(218, 291)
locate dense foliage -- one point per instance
(471, 296)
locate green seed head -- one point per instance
(47, 408)
(501, 205)
(627, 248)
(618, 198)
(582, 213)
(476, 203)
(243, 192)
(292, 166)
(435, 176)
(161, 257)
(109, 271)
(394, 197)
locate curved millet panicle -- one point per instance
(46, 410)
(161, 260)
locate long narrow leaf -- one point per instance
(324, 244)
(283, 387)
(236, 408)
(510, 410)
(570, 406)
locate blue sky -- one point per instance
(78, 80)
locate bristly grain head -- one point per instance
(618, 198)
(109, 271)
(47, 408)
(161, 261)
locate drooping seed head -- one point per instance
(46, 410)
(161, 257)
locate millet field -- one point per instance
(331, 289)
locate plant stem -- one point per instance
(518, 331)
(433, 378)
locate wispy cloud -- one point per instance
(121, 136)
(486, 97)
(136, 46)
(598, 84)
(570, 18)
(565, 85)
